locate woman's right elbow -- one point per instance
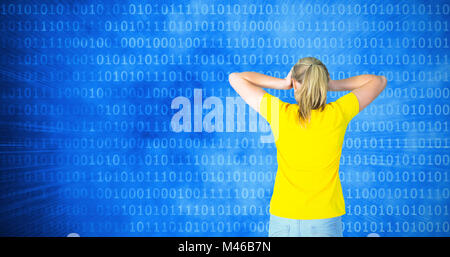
(383, 80)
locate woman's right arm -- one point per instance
(366, 87)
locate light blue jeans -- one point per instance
(284, 227)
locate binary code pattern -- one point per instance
(87, 100)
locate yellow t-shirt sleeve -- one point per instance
(264, 107)
(270, 107)
(349, 106)
(273, 109)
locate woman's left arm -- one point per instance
(249, 85)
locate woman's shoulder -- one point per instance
(344, 107)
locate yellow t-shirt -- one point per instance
(307, 184)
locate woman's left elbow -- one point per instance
(233, 76)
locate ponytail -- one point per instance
(312, 94)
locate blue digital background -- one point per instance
(87, 145)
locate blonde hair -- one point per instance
(312, 94)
